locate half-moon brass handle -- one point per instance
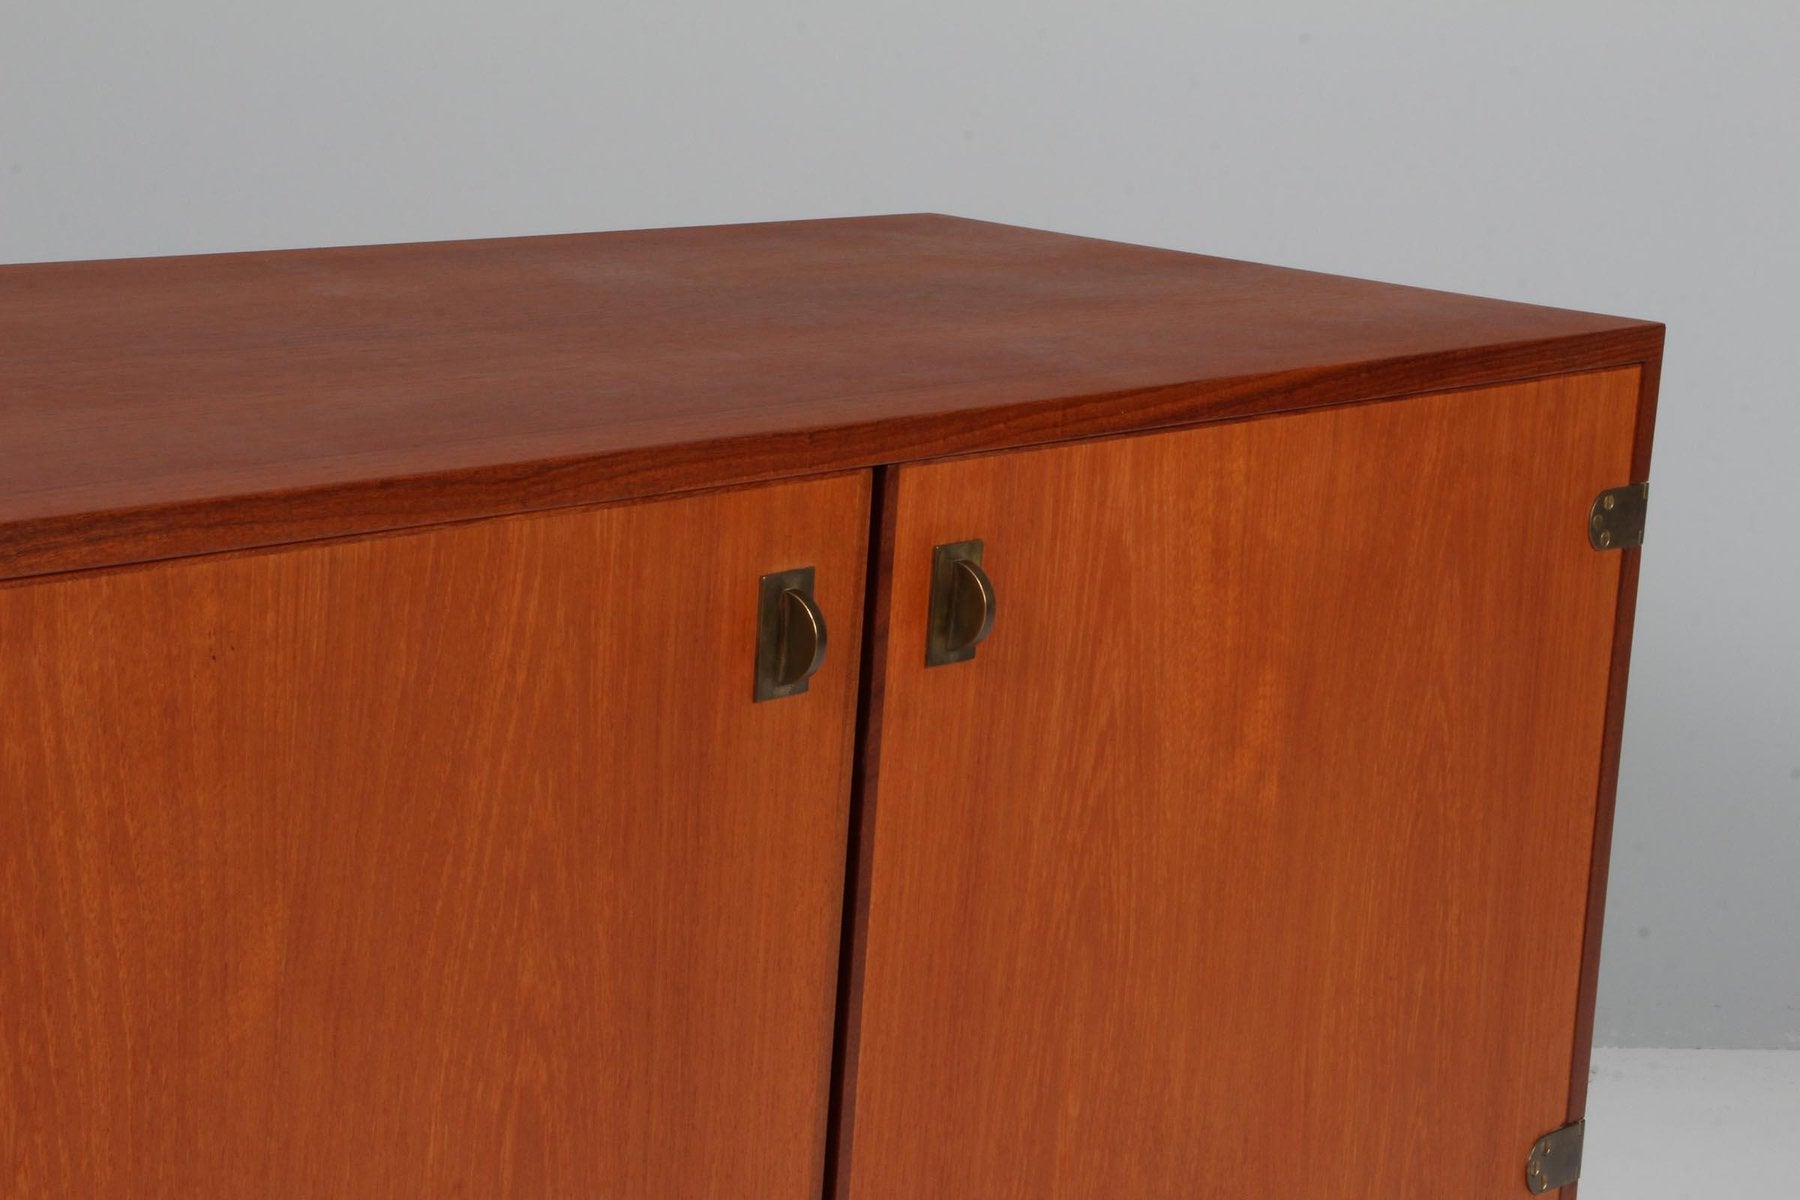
(790, 635)
(962, 603)
(802, 649)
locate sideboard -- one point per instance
(883, 709)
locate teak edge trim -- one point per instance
(207, 525)
(1649, 381)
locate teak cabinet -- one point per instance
(873, 709)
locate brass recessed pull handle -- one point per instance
(962, 603)
(790, 634)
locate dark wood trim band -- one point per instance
(1581, 1061)
(82, 540)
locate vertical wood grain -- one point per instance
(457, 864)
(1250, 855)
(1649, 379)
(864, 792)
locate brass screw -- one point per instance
(1607, 502)
(1606, 537)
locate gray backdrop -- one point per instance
(1634, 157)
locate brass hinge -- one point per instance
(1616, 522)
(1555, 1160)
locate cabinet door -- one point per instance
(459, 863)
(1249, 855)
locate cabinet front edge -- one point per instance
(65, 538)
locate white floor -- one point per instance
(1712, 1124)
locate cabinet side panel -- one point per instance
(452, 864)
(1250, 854)
(1649, 380)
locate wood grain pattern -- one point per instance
(154, 408)
(1601, 856)
(1250, 856)
(457, 864)
(865, 787)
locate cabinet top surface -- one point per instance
(151, 407)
